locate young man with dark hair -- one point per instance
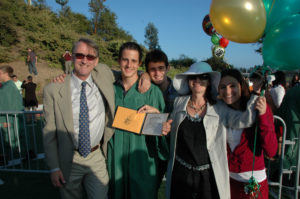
(157, 66)
(133, 158)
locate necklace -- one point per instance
(197, 110)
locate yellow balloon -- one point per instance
(241, 21)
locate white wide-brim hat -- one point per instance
(181, 84)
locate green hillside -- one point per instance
(49, 34)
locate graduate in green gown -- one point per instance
(10, 100)
(132, 158)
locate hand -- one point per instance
(166, 127)
(5, 124)
(144, 83)
(57, 179)
(148, 109)
(59, 78)
(261, 105)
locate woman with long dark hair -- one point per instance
(198, 166)
(234, 91)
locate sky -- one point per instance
(179, 25)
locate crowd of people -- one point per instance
(216, 138)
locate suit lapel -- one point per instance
(65, 104)
(106, 87)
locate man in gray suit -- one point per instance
(87, 93)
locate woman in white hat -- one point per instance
(198, 166)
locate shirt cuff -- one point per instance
(55, 169)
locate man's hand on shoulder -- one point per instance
(144, 83)
(59, 78)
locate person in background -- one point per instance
(258, 82)
(10, 100)
(278, 91)
(30, 100)
(233, 90)
(270, 79)
(68, 62)
(157, 66)
(133, 158)
(261, 83)
(295, 80)
(289, 111)
(32, 61)
(17, 82)
(78, 117)
(198, 166)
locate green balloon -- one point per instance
(281, 46)
(280, 9)
(215, 39)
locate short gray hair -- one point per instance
(88, 42)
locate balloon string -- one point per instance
(255, 137)
(271, 7)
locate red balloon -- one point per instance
(207, 26)
(224, 42)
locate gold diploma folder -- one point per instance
(139, 123)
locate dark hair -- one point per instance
(131, 46)
(7, 69)
(156, 56)
(29, 78)
(294, 81)
(208, 96)
(257, 75)
(88, 42)
(245, 92)
(260, 77)
(279, 78)
(13, 76)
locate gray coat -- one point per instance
(59, 127)
(216, 119)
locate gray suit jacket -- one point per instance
(58, 143)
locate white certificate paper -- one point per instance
(153, 123)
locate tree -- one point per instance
(62, 3)
(151, 36)
(41, 4)
(183, 61)
(218, 64)
(96, 7)
(108, 28)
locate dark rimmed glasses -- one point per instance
(88, 57)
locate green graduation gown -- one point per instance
(10, 100)
(133, 159)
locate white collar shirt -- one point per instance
(96, 109)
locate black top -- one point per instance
(30, 96)
(191, 142)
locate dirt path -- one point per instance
(45, 74)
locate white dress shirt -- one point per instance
(277, 94)
(96, 109)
